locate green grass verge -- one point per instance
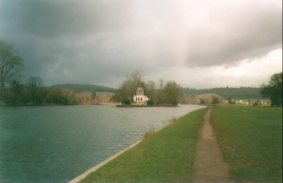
(165, 156)
(250, 139)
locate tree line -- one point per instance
(162, 94)
(33, 93)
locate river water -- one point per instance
(57, 143)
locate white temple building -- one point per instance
(140, 98)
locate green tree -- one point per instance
(150, 102)
(172, 93)
(119, 96)
(59, 96)
(34, 90)
(151, 91)
(273, 90)
(10, 64)
(14, 94)
(215, 100)
(128, 88)
(126, 102)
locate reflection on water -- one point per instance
(55, 144)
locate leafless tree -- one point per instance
(10, 64)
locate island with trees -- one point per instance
(165, 94)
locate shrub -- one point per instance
(150, 102)
(126, 102)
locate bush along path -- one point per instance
(209, 165)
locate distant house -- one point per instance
(140, 98)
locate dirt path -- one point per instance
(209, 163)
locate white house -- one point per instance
(140, 98)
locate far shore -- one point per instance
(119, 105)
(146, 105)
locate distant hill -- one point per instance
(208, 96)
(233, 93)
(78, 88)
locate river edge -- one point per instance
(99, 165)
(149, 105)
(96, 167)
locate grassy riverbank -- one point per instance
(165, 156)
(250, 139)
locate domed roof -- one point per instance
(139, 91)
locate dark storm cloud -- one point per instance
(95, 41)
(50, 19)
(55, 36)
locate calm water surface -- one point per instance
(57, 143)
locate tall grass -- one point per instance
(251, 141)
(165, 156)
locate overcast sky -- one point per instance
(197, 43)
